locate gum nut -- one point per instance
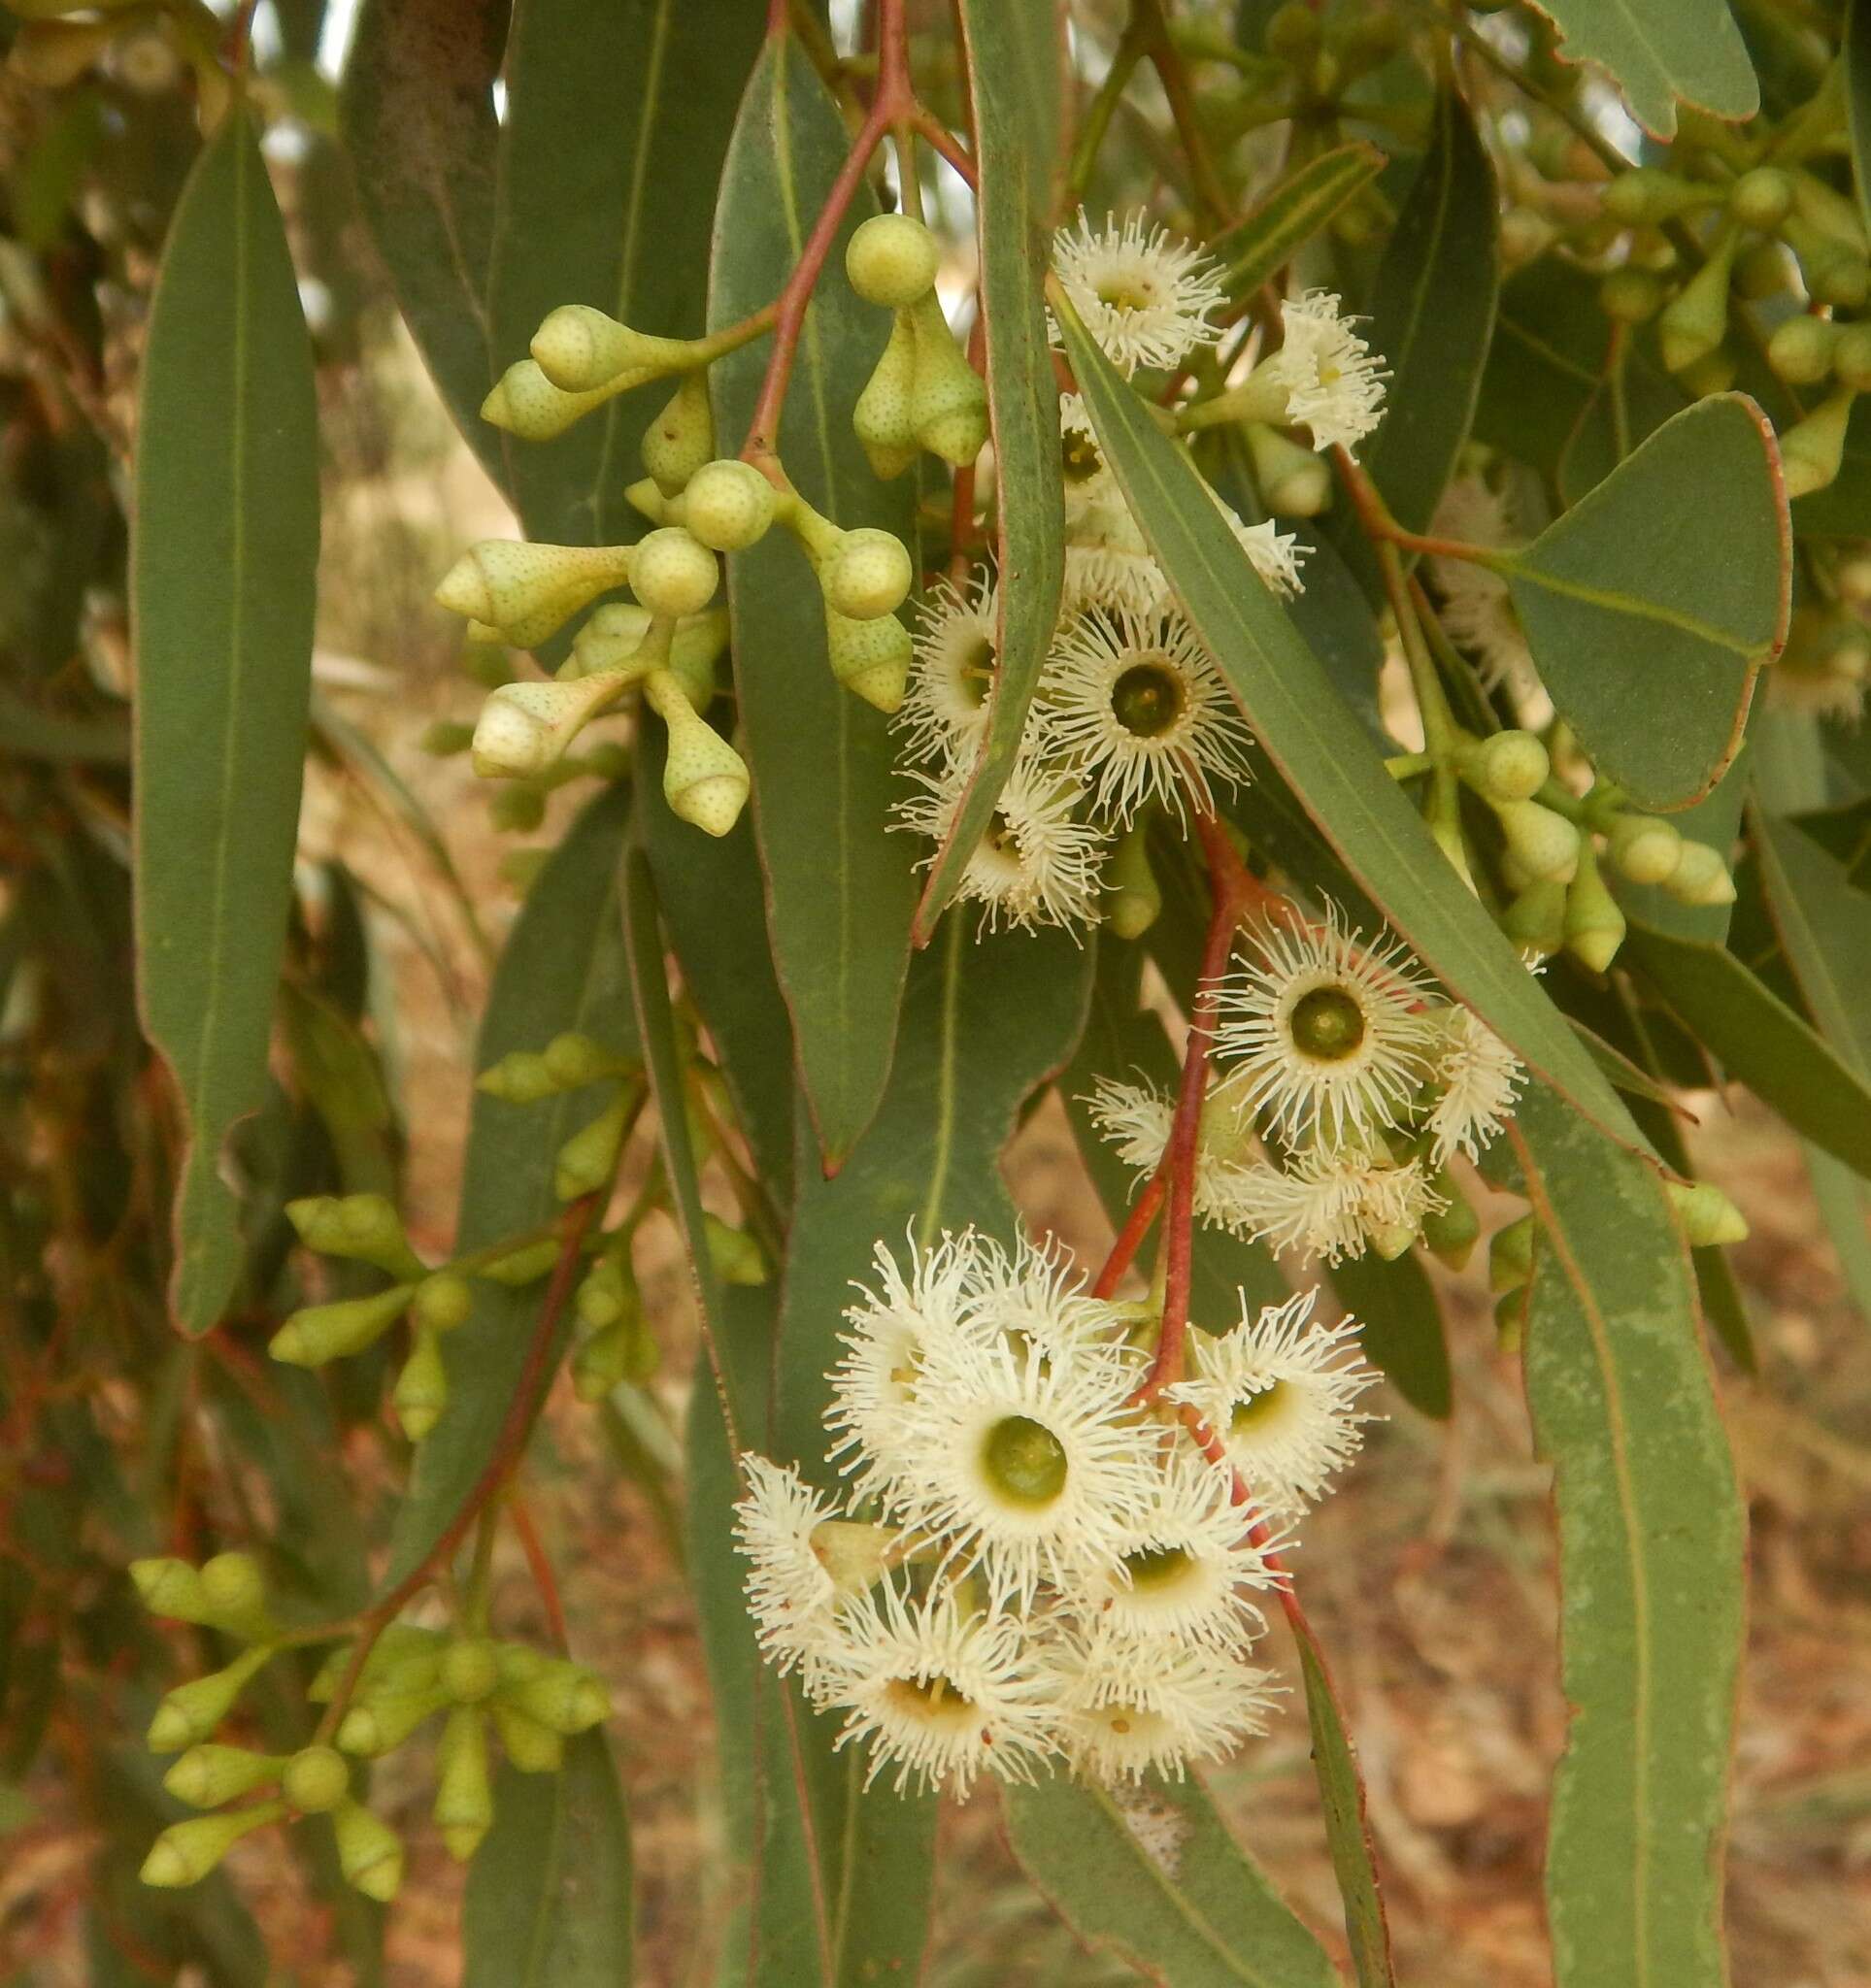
(729, 504)
(869, 574)
(892, 260)
(673, 573)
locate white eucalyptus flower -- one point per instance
(1136, 1121)
(1481, 1079)
(1282, 1395)
(939, 1690)
(1326, 1029)
(945, 710)
(1335, 1202)
(1478, 613)
(1142, 294)
(790, 1594)
(1035, 1297)
(1138, 704)
(1334, 382)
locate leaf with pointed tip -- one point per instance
(547, 1903)
(1015, 59)
(1255, 250)
(617, 123)
(1651, 1557)
(1319, 746)
(1154, 1874)
(562, 967)
(1660, 51)
(840, 893)
(223, 570)
(1649, 610)
(417, 116)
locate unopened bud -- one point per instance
(607, 1293)
(1701, 876)
(523, 1077)
(315, 1779)
(1851, 358)
(705, 781)
(947, 402)
(1507, 767)
(470, 1670)
(884, 419)
(192, 1711)
(526, 1265)
(1450, 1231)
(1645, 848)
(1708, 1216)
(1133, 899)
(1630, 296)
(1695, 321)
(170, 1588)
(421, 1391)
(566, 1697)
(1546, 844)
(525, 728)
(1647, 194)
(533, 1748)
(334, 1332)
(442, 1303)
(185, 1852)
(892, 260)
(403, 1657)
(870, 659)
(734, 1253)
(1509, 1256)
(1295, 482)
(382, 1722)
(527, 590)
(363, 1227)
(729, 504)
(673, 573)
(681, 438)
(464, 1805)
(368, 1852)
(580, 348)
(525, 403)
(206, 1776)
(852, 1553)
(869, 574)
(233, 1590)
(601, 1360)
(1763, 198)
(1535, 921)
(1594, 926)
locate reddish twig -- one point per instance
(1130, 1238)
(1375, 519)
(538, 1564)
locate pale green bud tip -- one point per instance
(869, 574)
(169, 1587)
(729, 504)
(1708, 1216)
(315, 1779)
(1546, 844)
(1800, 349)
(331, 1332)
(870, 659)
(705, 781)
(573, 1059)
(1509, 1256)
(525, 728)
(420, 1396)
(525, 1266)
(368, 1852)
(521, 1077)
(1701, 878)
(1812, 453)
(580, 349)
(892, 260)
(585, 1161)
(533, 1748)
(1645, 848)
(206, 1776)
(673, 573)
(184, 1853)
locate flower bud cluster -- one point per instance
(1029, 1569)
(1344, 1086)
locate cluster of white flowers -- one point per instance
(1478, 612)
(1343, 1084)
(1028, 1568)
(1131, 712)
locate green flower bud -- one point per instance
(1509, 1256)
(206, 1776)
(445, 737)
(1694, 323)
(170, 1588)
(851, 1552)
(1546, 844)
(1450, 1232)
(580, 349)
(526, 403)
(192, 1711)
(1645, 848)
(185, 1852)
(533, 1748)
(673, 573)
(233, 1589)
(681, 438)
(1762, 269)
(607, 1293)
(1293, 32)
(729, 505)
(735, 1254)
(1295, 482)
(601, 1360)
(316, 1778)
(421, 1391)
(380, 1723)
(948, 401)
(1507, 767)
(1630, 296)
(403, 1658)
(1525, 235)
(441, 1302)
(1763, 198)
(1535, 921)
(526, 1265)
(333, 1332)
(1708, 1216)
(527, 590)
(1594, 926)
(1800, 349)
(525, 728)
(1133, 899)
(586, 1160)
(646, 498)
(1647, 194)
(364, 1227)
(884, 419)
(368, 1852)
(464, 1801)
(869, 574)
(1701, 876)
(564, 1696)
(470, 1670)
(870, 659)
(705, 781)
(522, 1076)
(891, 259)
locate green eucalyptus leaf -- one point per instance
(1825, 927)
(1759, 1039)
(1397, 1304)
(417, 116)
(1844, 1204)
(1659, 51)
(840, 893)
(1016, 55)
(1303, 204)
(1432, 318)
(562, 969)
(1154, 1874)
(547, 1903)
(1651, 1556)
(1649, 609)
(1317, 744)
(617, 121)
(222, 577)
(1348, 1830)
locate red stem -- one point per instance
(1131, 1237)
(538, 1564)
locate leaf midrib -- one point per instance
(1614, 601)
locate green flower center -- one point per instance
(1078, 457)
(1148, 698)
(930, 1697)
(976, 676)
(1157, 1567)
(1025, 1460)
(1127, 296)
(1328, 1024)
(1255, 1411)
